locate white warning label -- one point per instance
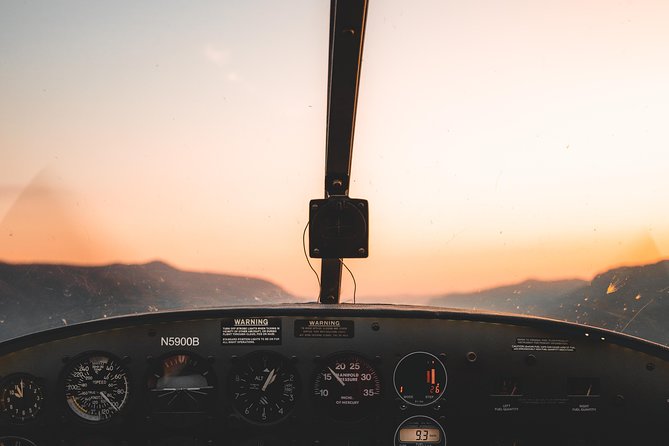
(542, 345)
(251, 331)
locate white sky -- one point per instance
(496, 141)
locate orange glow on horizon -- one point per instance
(72, 236)
(493, 145)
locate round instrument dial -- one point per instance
(96, 387)
(420, 378)
(347, 386)
(264, 387)
(15, 441)
(420, 431)
(21, 398)
(181, 383)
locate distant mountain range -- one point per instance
(38, 296)
(633, 300)
(33, 297)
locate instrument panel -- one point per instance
(341, 376)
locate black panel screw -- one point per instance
(472, 356)
(376, 326)
(650, 366)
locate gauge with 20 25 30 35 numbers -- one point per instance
(347, 386)
(96, 386)
(21, 398)
(264, 387)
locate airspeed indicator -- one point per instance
(96, 387)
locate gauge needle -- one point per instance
(19, 390)
(337, 376)
(270, 379)
(102, 394)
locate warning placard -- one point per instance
(323, 328)
(543, 345)
(251, 331)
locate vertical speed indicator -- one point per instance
(347, 386)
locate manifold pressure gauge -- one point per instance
(347, 386)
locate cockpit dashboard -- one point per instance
(332, 375)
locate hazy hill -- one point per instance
(634, 300)
(527, 297)
(35, 297)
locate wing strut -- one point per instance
(347, 32)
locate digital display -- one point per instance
(420, 435)
(420, 378)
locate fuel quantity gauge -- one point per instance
(420, 378)
(21, 398)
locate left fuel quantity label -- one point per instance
(251, 331)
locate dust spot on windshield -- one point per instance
(615, 285)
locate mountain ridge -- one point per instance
(629, 299)
(38, 296)
(33, 297)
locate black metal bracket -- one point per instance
(338, 228)
(339, 225)
(347, 35)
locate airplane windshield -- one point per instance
(161, 155)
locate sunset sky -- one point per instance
(496, 140)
